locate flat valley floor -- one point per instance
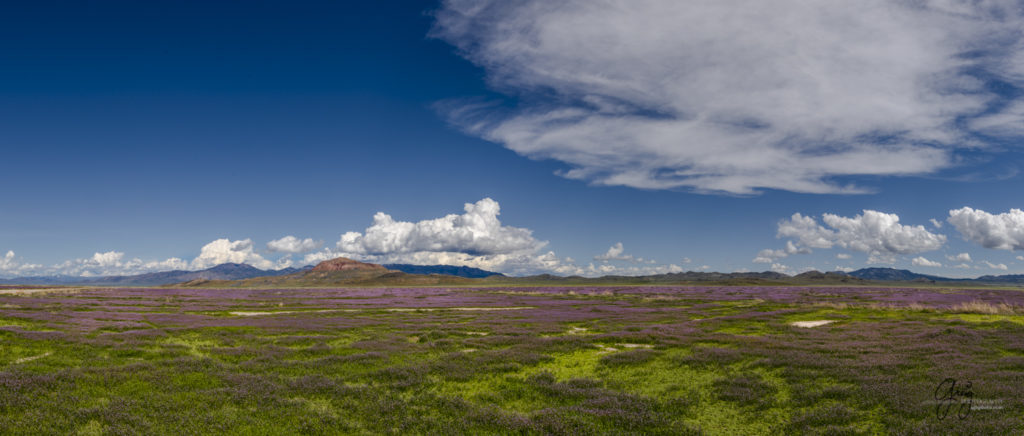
(531, 360)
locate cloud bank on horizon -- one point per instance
(477, 238)
(883, 238)
(740, 95)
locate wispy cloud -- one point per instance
(737, 95)
(293, 245)
(998, 266)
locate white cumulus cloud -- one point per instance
(806, 231)
(113, 263)
(739, 95)
(291, 244)
(228, 251)
(881, 233)
(768, 255)
(116, 263)
(921, 261)
(1004, 231)
(10, 266)
(615, 252)
(476, 238)
(476, 232)
(962, 257)
(878, 234)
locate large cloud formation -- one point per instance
(878, 234)
(736, 95)
(476, 232)
(475, 238)
(228, 251)
(1004, 231)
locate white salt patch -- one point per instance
(39, 291)
(635, 345)
(31, 358)
(811, 324)
(391, 309)
(469, 309)
(284, 312)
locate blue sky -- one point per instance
(140, 136)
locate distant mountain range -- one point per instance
(896, 275)
(347, 272)
(1008, 278)
(239, 271)
(342, 271)
(224, 271)
(457, 271)
(902, 275)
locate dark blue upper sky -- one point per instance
(152, 128)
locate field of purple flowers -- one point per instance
(603, 360)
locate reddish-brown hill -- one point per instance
(346, 264)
